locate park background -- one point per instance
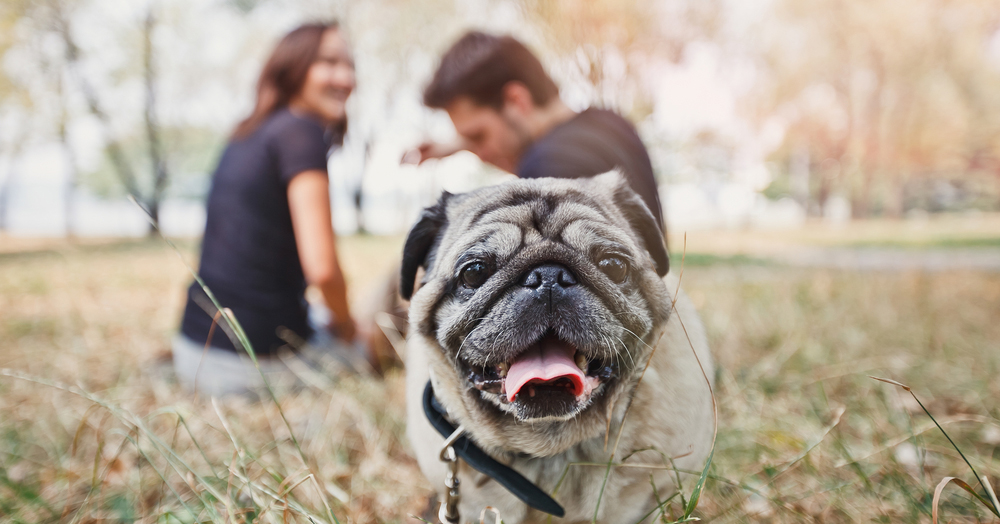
(830, 172)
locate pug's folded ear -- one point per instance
(639, 217)
(421, 243)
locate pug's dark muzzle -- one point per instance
(547, 348)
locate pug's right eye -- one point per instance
(475, 274)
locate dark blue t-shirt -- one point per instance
(594, 142)
(249, 257)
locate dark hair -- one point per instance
(480, 65)
(285, 73)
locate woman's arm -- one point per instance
(309, 202)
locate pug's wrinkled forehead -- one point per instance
(585, 215)
(501, 230)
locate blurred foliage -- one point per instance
(607, 43)
(890, 104)
(597, 51)
(244, 6)
(11, 12)
(191, 152)
(881, 97)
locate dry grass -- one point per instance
(804, 436)
(946, 231)
(802, 423)
(101, 318)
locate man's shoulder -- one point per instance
(578, 145)
(593, 124)
(591, 142)
(607, 118)
(601, 114)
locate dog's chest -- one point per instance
(577, 478)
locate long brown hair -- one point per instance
(284, 75)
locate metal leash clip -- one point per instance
(448, 513)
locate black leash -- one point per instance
(472, 454)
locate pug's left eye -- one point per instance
(475, 274)
(615, 268)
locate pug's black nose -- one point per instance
(548, 275)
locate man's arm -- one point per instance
(432, 150)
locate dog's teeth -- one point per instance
(502, 369)
(581, 362)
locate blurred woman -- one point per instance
(269, 231)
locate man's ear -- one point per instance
(421, 243)
(640, 218)
(517, 97)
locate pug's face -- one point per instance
(541, 295)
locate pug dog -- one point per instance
(542, 304)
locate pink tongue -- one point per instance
(545, 361)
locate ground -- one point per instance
(93, 427)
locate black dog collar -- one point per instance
(473, 455)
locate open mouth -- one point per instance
(551, 377)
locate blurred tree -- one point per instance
(14, 128)
(152, 199)
(607, 43)
(880, 100)
(881, 94)
(11, 11)
(11, 151)
(58, 83)
(153, 129)
(69, 155)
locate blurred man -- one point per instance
(508, 112)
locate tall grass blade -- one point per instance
(621, 429)
(990, 504)
(242, 336)
(696, 493)
(993, 494)
(960, 483)
(128, 418)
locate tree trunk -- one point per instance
(69, 158)
(800, 173)
(871, 160)
(69, 198)
(116, 152)
(159, 164)
(358, 198)
(7, 182)
(897, 197)
(996, 171)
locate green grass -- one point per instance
(804, 434)
(932, 243)
(710, 259)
